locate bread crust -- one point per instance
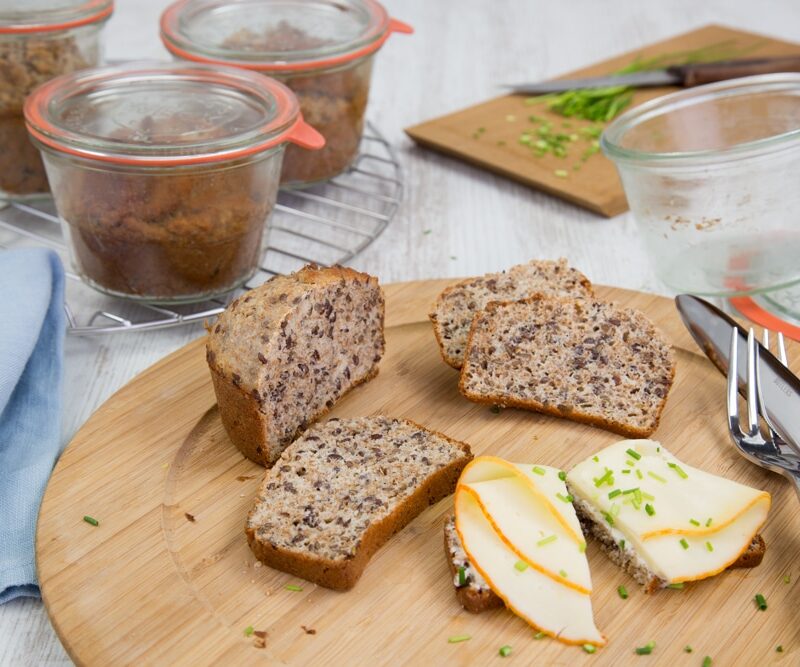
(474, 601)
(247, 425)
(530, 404)
(343, 575)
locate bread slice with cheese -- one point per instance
(455, 307)
(519, 532)
(663, 521)
(583, 359)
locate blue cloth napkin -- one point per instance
(31, 359)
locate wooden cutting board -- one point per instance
(596, 186)
(167, 577)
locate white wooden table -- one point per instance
(478, 222)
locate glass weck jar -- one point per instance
(39, 39)
(322, 49)
(164, 176)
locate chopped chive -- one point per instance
(623, 592)
(779, 649)
(626, 472)
(293, 587)
(455, 639)
(622, 544)
(562, 475)
(656, 477)
(694, 522)
(627, 491)
(684, 543)
(647, 496)
(561, 173)
(709, 546)
(633, 454)
(462, 576)
(582, 547)
(91, 520)
(647, 649)
(609, 519)
(649, 509)
(614, 493)
(520, 566)
(614, 511)
(708, 523)
(639, 474)
(566, 499)
(707, 661)
(606, 478)
(505, 651)
(427, 231)
(595, 459)
(564, 574)
(249, 630)
(681, 473)
(761, 602)
(787, 579)
(658, 449)
(537, 470)
(589, 648)
(630, 463)
(676, 586)
(687, 649)
(539, 635)
(546, 540)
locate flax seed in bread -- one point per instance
(472, 590)
(340, 491)
(583, 359)
(282, 354)
(455, 307)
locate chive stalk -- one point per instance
(505, 651)
(761, 601)
(623, 592)
(91, 520)
(455, 639)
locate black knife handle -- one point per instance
(697, 74)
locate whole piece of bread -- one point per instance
(474, 594)
(282, 354)
(455, 307)
(340, 491)
(627, 558)
(583, 359)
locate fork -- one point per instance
(764, 448)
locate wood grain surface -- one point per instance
(595, 185)
(167, 576)
(456, 219)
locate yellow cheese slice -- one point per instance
(521, 533)
(547, 605)
(685, 523)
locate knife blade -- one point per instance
(711, 330)
(679, 75)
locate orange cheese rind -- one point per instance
(499, 592)
(703, 531)
(468, 475)
(463, 488)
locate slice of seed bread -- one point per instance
(629, 560)
(455, 307)
(282, 354)
(583, 359)
(340, 491)
(474, 594)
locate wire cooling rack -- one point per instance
(326, 224)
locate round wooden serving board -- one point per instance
(167, 577)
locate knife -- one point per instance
(780, 388)
(694, 74)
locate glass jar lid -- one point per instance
(165, 114)
(276, 35)
(24, 16)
